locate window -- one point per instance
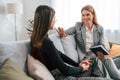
(68, 12)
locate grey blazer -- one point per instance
(80, 36)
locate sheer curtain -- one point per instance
(68, 12)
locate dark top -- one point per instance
(54, 59)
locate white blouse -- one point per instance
(89, 38)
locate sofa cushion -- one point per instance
(69, 46)
(114, 50)
(16, 50)
(38, 70)
(10, 71)
(57, 42)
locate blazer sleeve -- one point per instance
(103, 40)
(70, 31)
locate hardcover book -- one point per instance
(100, 48)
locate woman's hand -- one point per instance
(85, 67)
(100, 55)
(85, 64)
(61, 32)
(86, 61)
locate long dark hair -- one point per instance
(42, 22)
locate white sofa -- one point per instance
(18, 51)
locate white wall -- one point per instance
(29, 9)
(7, 23)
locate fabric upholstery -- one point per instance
(16, 50)
(69, 46)
(10, 71)
(38, 70)
(114, 51)
(57, 42)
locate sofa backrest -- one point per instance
(16, 50)
(66, 45)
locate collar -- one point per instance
(91, 29)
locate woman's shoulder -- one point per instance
(99, 28)
(47, 40)
(79, 23)
(47, 43)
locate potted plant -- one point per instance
(30, 26)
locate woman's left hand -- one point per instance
(87, 62)
(100, 55)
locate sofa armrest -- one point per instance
(110, 43)
(116, 58)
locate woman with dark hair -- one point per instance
(44, 50)
(89, 33)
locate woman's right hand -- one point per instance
(85, 64)
(100, 55)
(61, 32)
(85, 67)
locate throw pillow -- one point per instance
(114, 51)
(69, 46)
(38, 70)
(10, 71)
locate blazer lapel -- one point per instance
(95, 33)
(84, 33)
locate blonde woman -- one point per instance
(89, 33)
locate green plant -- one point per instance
(30, 26)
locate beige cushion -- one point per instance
(114, 51)
(37, 70)
(10, 71)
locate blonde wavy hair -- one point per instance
(92, 10)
